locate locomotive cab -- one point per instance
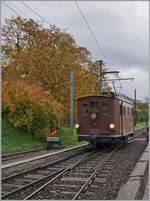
(102, 119)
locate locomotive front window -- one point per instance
(85, 108)
(104, 109)
(93, 107)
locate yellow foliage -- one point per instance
(44, 57)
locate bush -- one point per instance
(29, 108)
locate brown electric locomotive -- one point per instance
(105, 118)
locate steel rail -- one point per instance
(40, 167)
(84, 146)
(96, 169)
(7, 156)
(63, 173)
(136, 134)
(43, 178)
(31, 184)
(140, 130)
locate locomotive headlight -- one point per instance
(77, 125)
(111, 126)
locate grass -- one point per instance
(14, 140)
(140, 125)
(68, 138)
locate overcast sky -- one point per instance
(121, 28)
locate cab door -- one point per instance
(94, 117)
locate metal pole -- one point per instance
(135, 113)
(114, 88)
(100, 79)
(100, 63)
(71, 101)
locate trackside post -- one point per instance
(71, 101)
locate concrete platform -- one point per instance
(147, 149)
(139, 170)
(135, 187)
(146, 193)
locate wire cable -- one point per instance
(92, 33)
(35, 12)
(10, 8)
(18, 9)
(42, 18)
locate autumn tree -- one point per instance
(45, 56)
(142, 111)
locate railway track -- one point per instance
(57, 170)
(142, 132)
(20, 181)
(139, 133)
(8, 157)
(65, 178)
(95, 177)
(73, 180)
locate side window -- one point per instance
(104, 109)
(85, 108)
(93, 107)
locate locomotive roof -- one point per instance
(114, 96)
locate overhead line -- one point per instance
(42, 18)
(35, 12)
(18, 9)
(92, 33)
(10, 8)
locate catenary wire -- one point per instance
(13, 10)
(35, 12)
(50, 24)
(95, 39)
(42, 18)
(92, 33)
(10, 8)
(18, 9)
